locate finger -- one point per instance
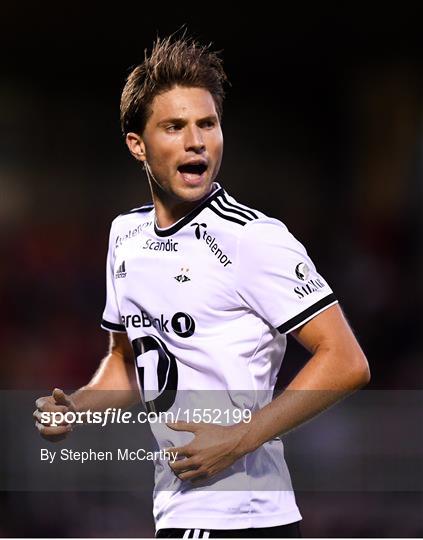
(183, 426)
(51, 431)
(182, 465)
(192, 475)
(181, 452)
(40, 401)
(41, 417)
(50, 406)
(60, 397)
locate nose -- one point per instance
(194, 140)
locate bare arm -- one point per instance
(113, 385)
(337, 368)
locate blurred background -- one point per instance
(323, 126)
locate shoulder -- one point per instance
(267, 238)
(254, 221)
(129, 224)
(230, 214)
(268, 229)
(140, 213)
(250, 226)
(145, 208)
(232, 209)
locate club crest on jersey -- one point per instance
(211, 243)
(182, 278)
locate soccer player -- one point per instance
(201, 294)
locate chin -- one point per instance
(192, 193)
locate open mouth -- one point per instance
(196, 168)
(192, 172)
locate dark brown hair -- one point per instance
(182, 62)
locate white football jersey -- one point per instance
(207, 304)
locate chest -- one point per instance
(182, 273)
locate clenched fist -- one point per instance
(57, 402)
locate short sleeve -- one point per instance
(277, 279)
(111, 320)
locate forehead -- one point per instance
(181, 102)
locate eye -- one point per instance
(173, 128)
(208, 123)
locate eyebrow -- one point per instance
(212, 117)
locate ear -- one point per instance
(136, 146)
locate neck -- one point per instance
(168, 209)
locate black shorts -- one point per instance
(291, 530)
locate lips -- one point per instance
(197, 167)
(193, 171)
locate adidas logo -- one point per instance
(121, 271)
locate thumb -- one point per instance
(60, 397)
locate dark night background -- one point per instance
(323, 130)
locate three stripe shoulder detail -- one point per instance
(230, 211)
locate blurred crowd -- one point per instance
(331, 146)
(347, 185)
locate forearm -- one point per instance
(113, 385)
(323, 381)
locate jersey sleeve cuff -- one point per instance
(307, 314)
(106, 325)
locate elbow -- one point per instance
(359, 375)
(363, 377)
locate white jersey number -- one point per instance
(157, 372)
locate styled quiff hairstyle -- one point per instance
(182, 62)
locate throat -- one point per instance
(168, 211)
(167, 216)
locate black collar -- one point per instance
(186, 219)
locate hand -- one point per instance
(213, 449)
(57, 402)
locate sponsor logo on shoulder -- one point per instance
(312, 286)
(121, 271)
(121, 238)
(302, 271)
(211, 243)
